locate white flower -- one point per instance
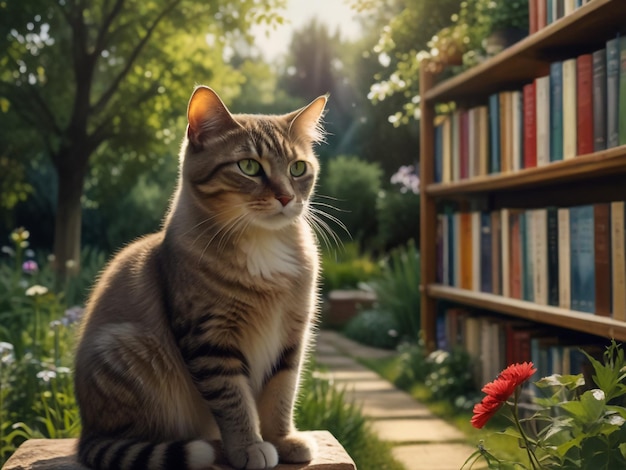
(46, 375)
(36, 290)
(615, 420)
(63, 370)
(598, 394)
(6, 353)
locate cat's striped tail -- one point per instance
(106, 453)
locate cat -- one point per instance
(198, 332)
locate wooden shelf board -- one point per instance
(584, 167)
(570, 319)
(587, 27)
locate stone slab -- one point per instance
(434, 456)
(60, 454)
(416, 430)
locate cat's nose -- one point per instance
(283, 199)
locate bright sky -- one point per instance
(335, 13)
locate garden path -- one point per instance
(421, 441)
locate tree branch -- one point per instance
(106, 24)
(108, 94)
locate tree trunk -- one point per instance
(71, 173)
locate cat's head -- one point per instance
(252, 170)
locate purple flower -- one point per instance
(407, 178)
(30, 267)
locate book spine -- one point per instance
(446, 150)
(556, 111)
(456, 146)
(618, 257)
(586, 259)
(494, 133)
(602, 258)
(505, 241)
(482, 115)
(553, 256)
(532, 16)
(540, 255)
(464, 143)
(612, 92)
(622, 91)
(528, 265)
(530, 126)
(465, 252)
(486, 275)
(515, 263)
(542, 14)
(584, 112)
(496, 253)
(476, 254)
(504, 99)
(599, 100)
(472, 143)
(542, 107)
(564, 231)
(569, 109)
(438, 154)
(517, 130)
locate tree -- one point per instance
(97, 79)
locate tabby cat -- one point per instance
(197, 333)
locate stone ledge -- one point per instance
(60, 454)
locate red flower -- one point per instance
(500, 390)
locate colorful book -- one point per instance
(496, 253)
(517, 130)
(528, 259)
(506, 134)
(532, 16)
(465, 253)
(542, 108)
(584, 110)
(486, 244)
(472, 143)
(556, 111)
(539, 230)
(482, 131)
(599, 100)
(446, 140)
(563, 216)
(456, 146)
(553, 255)
(542, 14)
(622, 91)
(569, 109)
(612, 92)
(505, 243)
(582, 258)
(476, 255)
(602, 258)
(530, 126)
(464, 143)
(618, 260)
(438, 143)
(494, 133)
(515, 258)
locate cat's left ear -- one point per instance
(207, 116)
(306, 123)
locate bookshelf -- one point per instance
(586, 179)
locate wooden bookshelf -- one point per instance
(585, 179)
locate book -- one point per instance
(476, 255)
(612, 92)
(496, 253)
(542, 14)
(465, 250)
(517, 130)
(530, 126)
(456, 146)
(464, 144)
(532, 16)
(446, 151)
(506, 132)
(539, 230)
(457, 249)
(482, 131)
(563, 216)
(486, 253)
(438, 153)
(494, 133)
(505, 243)
(582, 259)
(556, 111)
(618, 265)
(542, 109)
(599, 100)
(553, 255)
(472, 144)
(569, 109)
(621, 119)
(528, 259)
(515, 255)
(584, 109)
(602, 258)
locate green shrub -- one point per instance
(398, 291)
(353, 184)
(398, 218)
(346, 268)
(373, 328)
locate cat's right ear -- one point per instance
(207, 116)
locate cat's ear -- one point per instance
(207, 116)
(306, 123)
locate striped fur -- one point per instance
(197, 333)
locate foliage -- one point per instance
(397, 290)
(346, 268)
(373, 328)
(322, 406)
(398, 210)
(353, 184)
(572, 427)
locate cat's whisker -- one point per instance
(332, 218)
(323, 229)
(218, 232)
(323, 204)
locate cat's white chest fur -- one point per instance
(268, 254)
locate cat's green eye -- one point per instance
(298, 168)
(249, 166)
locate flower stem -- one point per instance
(532, 458)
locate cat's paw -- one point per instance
(295, 448)
(257, 456)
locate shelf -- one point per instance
(584, 167)
(584, 322)
(587, 28)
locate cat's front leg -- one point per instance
(224, 385)
(276, 412)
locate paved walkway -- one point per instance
(421, 440)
